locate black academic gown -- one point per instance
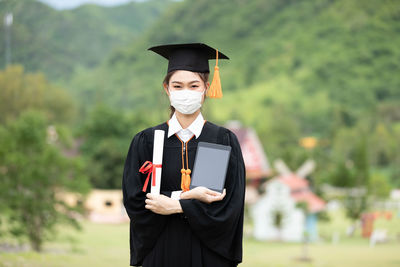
(205, 234)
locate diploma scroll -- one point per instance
(158, 149)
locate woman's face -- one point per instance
(183, 79)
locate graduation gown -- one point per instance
(205, 234)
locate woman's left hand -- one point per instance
(203, 194)
(161, 204)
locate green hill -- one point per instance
(327, 69)
(58, 42)
(346, 50)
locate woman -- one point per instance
(197, 227)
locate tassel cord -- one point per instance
(185, 179)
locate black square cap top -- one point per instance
(192, 56)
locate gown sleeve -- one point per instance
(145, 226)
(219, 225)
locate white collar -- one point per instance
(195, 127)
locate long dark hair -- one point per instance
(203, 76)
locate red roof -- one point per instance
(301, 192)
(254, 157)
(294, 182)
(315, 203)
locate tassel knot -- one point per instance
(185, 180)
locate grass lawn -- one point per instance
(101, 245)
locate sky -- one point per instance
(69, 4)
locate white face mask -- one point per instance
(186, 101)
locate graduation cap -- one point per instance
(193, 57)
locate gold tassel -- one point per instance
(215, 90)
(183, 179)
(187, 185)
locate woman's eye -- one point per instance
(195, 86)
(177, 86)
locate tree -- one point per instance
(33, 173)
(107, 133)
(356, 202)
(20, 91)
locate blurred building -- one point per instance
(101, 205)
(106, 206)
(255, 159)
(287, 209)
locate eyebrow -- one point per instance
(183, 82)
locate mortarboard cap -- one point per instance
(193, 57)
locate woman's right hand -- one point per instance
(203, 194)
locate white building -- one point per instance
(277, 215)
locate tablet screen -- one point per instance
(210, 166)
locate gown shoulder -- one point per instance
(225, 136)
(148, 133)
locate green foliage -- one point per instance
(379, 185)
(355, 206)
(342, 175)
(107, 135)
(327, 69)
(33, 172)
(303, 205)
(20, 91)
(57, 42)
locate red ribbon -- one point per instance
(148, 167)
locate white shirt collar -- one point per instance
(196, 127)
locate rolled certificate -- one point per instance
(158, 149)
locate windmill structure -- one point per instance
(288, 209)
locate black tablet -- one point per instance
(210, 166)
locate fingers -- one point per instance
(151, 201)
(185, 195)
(203, 194)
(148, 202)
(216, 196)
(214, 193)
(209, 199)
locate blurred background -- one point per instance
(312, 91)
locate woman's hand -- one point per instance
(162, 204)
(203, 194)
